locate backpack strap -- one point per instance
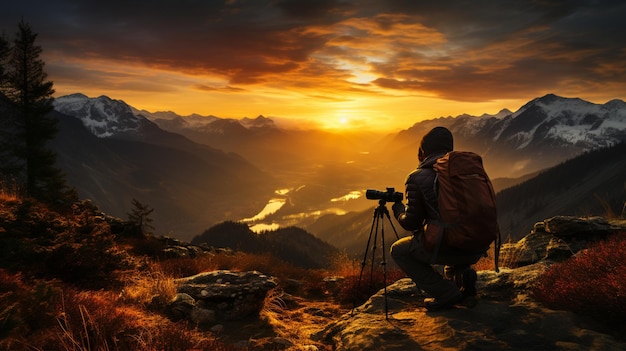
(496, 251)
(498, 240)
(440, 225)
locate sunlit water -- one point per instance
(272, 207)
(258, 224)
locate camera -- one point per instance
(390, 195)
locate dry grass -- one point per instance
(358, 281)
(98, 321)
(509, 257)
(9, 192)
(152, 290)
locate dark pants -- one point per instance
(416, 262)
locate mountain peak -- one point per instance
(548, 99)
(103, 116)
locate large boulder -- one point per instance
(558, 238)
(209, 297)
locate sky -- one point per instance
(336, 64)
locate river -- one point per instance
(262, 221)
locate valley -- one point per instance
(199, 171)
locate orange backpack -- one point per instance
(467, 205)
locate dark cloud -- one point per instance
(468, 50)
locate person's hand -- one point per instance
(397, 208)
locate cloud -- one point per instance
(460, 50)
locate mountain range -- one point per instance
(196, 171)
(112, 156)
(542, 133)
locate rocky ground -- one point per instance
(504, 317)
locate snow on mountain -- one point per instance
(565, 120)
(103, 116)
(548, 121)
(259, 122)
(171, 120)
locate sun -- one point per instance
(343, 121)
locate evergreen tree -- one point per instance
(140, 217)
(28, 127)
(7, 159)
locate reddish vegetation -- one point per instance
(592, 283)
(74, 280)
(77, 281)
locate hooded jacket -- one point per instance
(420, 193)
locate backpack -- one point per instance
(467, 204)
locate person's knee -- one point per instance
(399, 249)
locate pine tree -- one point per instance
(28, 127)
(7, 138)
(140, 217)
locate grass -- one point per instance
(508, 258)
(9, 192)
(68, 282)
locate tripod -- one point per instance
(377, 221)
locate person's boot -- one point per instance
(449, 272)
(443, 302)
(467, 279)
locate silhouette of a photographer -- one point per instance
(411, 253)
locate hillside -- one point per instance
(292, 245)
(190, 186)
(590, 184)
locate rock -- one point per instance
(202, 316)
(181, 306)
(557, 239)
(572, 226)
(178, 249)
(506, 318)
(217, 329)
(225, 295)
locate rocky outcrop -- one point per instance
(558, 238)
(210, 297)
(505, 317)
(497, 322)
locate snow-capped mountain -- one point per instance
(103, 116)
(174, 122)
(112, 155)
(543, 132)
(553, 119)
(569, 121)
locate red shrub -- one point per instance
(591, 283)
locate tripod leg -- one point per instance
(384, 264)
(367, 247)
(373, 259)
(390, 222)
